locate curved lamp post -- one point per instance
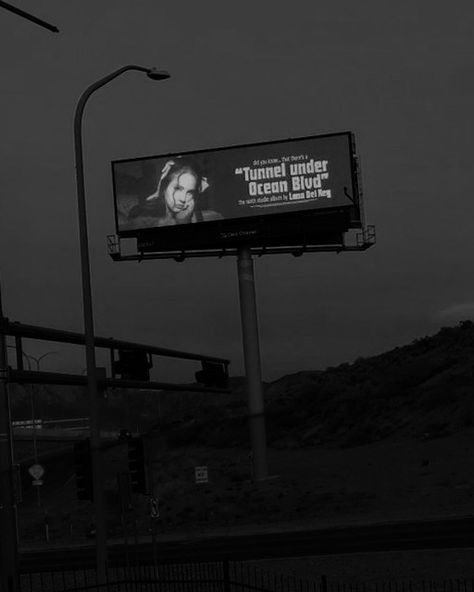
(101, 535)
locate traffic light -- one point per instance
(136, 465)
(83, 469)
(213, 374)
(133, 364)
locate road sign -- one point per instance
(201, 475)
(154, 511)
(37, 482)
(36, 471)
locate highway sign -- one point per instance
(37, 482)
(36, 471)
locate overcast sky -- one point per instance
(397, 74)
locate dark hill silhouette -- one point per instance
(422, 389)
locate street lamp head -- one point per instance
(155, 74)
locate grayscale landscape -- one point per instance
(382, 439)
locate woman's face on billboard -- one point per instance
(180, 194)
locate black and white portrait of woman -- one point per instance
(178, 198)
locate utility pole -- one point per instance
(9, 574)
(37, 361)
(9, 577)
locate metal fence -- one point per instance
(445, 585)
(220, 576)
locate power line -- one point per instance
(28, 16)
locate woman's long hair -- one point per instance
(155, 204)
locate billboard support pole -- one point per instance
(251, 346)
(8, 532)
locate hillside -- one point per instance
(423, 389)
(384, 438)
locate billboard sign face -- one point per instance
(297, 191)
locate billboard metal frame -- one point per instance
(317, 226)
(363, 241)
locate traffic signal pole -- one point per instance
(251, 345)
(137, 465)
(9, 580)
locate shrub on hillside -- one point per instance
(361, 434)
(285, 416)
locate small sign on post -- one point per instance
(36, 471)
(201, 474)
(154, 510)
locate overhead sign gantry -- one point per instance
(127, 362)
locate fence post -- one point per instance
(324, 583)
(226, 575)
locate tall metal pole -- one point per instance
(256, 407)
(9, 566)
(35, 440)
(97, 473)
(9, 577)
(33, 414)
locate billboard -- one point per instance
(290, 192)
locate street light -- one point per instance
(101, 535)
